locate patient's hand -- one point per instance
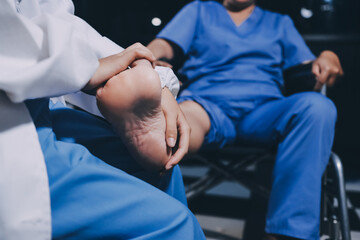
(131, 102)
(327, 69)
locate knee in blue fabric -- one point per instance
(316, 108)
(319, 106)
(222, 129)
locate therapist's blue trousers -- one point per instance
(90, 199)
(303, 127)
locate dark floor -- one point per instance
(229, 211)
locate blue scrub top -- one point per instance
(231, 60)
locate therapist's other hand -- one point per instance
(176, 128)
(327, 69)
(131, 102)
(114, 64)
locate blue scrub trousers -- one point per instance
(303, 127)
(97, 190)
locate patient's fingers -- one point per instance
(324, 75)
(318, 86)
(316, 69)
(327, 69)
(331, 80)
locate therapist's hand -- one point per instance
(177, 128)
(327, 69)
(114, 64)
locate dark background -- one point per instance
(334, 25)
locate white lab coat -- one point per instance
(45, 51)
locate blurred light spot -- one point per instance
(306, 13)
(327, 8)
(156, 21)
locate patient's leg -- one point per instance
(130, 101)
(199, 122)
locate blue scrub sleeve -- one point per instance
(295, 50)
(181, 29)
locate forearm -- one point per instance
(161, 49)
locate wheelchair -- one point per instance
(232, 162)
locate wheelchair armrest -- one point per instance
(299, 79)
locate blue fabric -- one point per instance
(222, 56)
(235, 74)
(90, 199)
(303, 127)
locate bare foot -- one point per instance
(131, 102)
(145, 138)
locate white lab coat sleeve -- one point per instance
(84, 101)
(103, 47)
(42, 56)
(64, 9)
